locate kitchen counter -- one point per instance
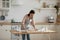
(19, 23)
(9, 23)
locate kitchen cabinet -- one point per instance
(5, 4)
(4, 33)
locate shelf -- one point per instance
(44, 23)
(49, 8)
(15, 5)
(32, 32)
(46, 8)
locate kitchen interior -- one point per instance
(47, 19)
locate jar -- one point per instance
(51, 19)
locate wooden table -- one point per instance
(33, 32)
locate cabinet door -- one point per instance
(5, 3)
(5, 33)
(0, 3)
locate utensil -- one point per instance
(2, 17)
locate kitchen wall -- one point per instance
(18, 12)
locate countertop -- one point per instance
(19, 23)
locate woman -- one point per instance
(28, 19)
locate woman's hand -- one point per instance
(35, 29)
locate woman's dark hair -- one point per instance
(31, 12)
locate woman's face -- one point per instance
(31, 15)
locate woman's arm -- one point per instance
(23, 22)
(33, 24)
